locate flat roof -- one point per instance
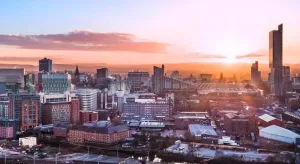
(279, 131)
(198, 130)
(147, 124)
(266, 117)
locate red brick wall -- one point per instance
(75, 111)
(27, 118)
(76, 136)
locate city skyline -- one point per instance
(168, 32)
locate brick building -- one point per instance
(267, 120)
(239, 124)
(88, 116)
(7, 128)
(60, 108)
(54, 113)
(101, 132)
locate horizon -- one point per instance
(146, 32)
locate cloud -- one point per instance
(22, 59)
(84, 41)
(251, 55)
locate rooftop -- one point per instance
(266, 117)
(273, 129)
(198, 130)
(150, 124)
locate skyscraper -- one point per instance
(138, 81)
(255, 74)
(275, 62)
(158, 79)
(102, 73)
(45, 65)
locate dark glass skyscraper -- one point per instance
(45, 65)
(275, 61)
(158, 79)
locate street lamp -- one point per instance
(5, 157)
(34, 155)
(98, 159)
(56, 155)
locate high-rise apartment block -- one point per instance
(60, 108)
(255, 74)
(45, 65)
(275, 61)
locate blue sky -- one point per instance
(215, 27)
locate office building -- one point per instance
(60, 108)
(88, 99)
(138, 81)
(255, 74)
(102, 73)
(54, 82)
(239, 124)
(148, 106)
(158, 79)
(13, 75)
(30, 82)
(275, 62)
(6, 87)
(45, 65)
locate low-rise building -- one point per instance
(88, 116)
(239, 124)
(279, 134)
(100, 132)
(200, 131)
(266, 120)
(183, 119)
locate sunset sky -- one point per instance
(146, 31)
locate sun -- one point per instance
(231, 49)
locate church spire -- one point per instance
(76, 71)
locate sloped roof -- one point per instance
(266, 117)
(279, 131)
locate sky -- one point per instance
(146, 31)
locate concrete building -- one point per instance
(30, 82)
(239, 124)
(138, 81)
(88, 99)
(54, 82)
(158, 79)
(147, 106)
(255, 74)
(296, 84)
(275, 62)
(183, 119)
(98, 132)
(12, 75)
(45, 65)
